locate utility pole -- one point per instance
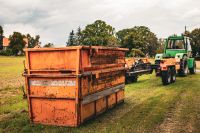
(185, 29)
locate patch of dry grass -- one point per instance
(11, 69)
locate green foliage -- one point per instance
(48, 45)
(7, 52)
(99, 33)
(136, 53)
(32, 41)
(72, 39)
(160, 47)
(195, 42)
(1, 37)
(17, 43)
(138, 37)
(78, 36)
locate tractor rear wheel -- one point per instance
(193, 70)
(166, 77)
(183, 68)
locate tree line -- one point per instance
(140, 40)
(18, 42)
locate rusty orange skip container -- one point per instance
(67, 86)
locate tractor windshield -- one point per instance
(176, 44)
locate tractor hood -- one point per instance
(173, 52)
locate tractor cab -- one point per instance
(177, 44)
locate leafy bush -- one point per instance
(136, 53)
(7, 52)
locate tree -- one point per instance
(71, 40)
(1, 37)
(17, 43)
(161, 45)
(32, 42)
(98, 33)
(48, 45)
(138, 37)
(195, 42)
(78, 36)
(136, 53)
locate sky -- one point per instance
(54, 19)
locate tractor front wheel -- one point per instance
(166, 76)
(173, 75)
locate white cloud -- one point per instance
(23, 28)
(53, 20)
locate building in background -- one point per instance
(6, 43)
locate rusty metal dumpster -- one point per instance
(67, 86)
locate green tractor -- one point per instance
(177, 56)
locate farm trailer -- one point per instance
(136, 67)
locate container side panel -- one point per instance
(107, 80)
(120, 95)
(53, 87)
(85, 58)
(85, 86)
(111, 100)
(100, 105)
(54, 111)
(52, 60)
(102, 57)
(87, 111)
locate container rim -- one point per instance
(76, 47)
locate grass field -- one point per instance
(149, 106)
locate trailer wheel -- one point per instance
(173, 75)
(131, 79)
(193, 70)
(135, 79)
(166, 77)
(128, 80)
